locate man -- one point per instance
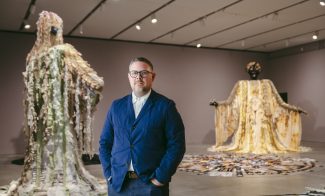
(143, 140)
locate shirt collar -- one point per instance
(143, 98)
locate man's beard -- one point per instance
(141, 90)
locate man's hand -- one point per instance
(156, 182)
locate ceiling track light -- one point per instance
(81, 30)
(26, 25)
(287, 43)
(315, 35)
(154, 19)
(275, 16)
(198, 45)
(322, 2)
(202, 21)
(242, 43)
(138, 27)
(172, 34)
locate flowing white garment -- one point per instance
(61, 92)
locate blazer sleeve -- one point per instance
(175, 136)
(106, 142)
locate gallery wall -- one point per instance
(190, 76)
(302, 76)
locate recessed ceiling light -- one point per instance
(315, 35)
(138, 27)
(154, 19)
(322, 2)
(27, 26)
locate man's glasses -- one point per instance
(143, 73)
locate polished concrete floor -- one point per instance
(186, 184)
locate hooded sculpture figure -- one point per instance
(61, 92)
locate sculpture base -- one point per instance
(58, 189)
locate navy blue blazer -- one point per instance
(155, 140)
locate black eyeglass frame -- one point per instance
(143, 73)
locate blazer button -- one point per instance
(131, 146)
(133, 127)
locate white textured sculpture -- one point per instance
(61, 93)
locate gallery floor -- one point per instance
(188, 184)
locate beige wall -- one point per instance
(303, 77)
(189, 76)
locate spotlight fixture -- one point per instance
(154, 19)
(81, 30)
(242, 43)
(275, 16)
(202, 21)
(138, 27)
(287, 43)
(172, 35)
(322, 2)
(315, 35)
(198, 45)
(26, 25)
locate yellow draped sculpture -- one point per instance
(255, 119)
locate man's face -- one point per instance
(141, 78)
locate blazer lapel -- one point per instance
(146, 107)
(130, 112)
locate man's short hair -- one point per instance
(142, 59)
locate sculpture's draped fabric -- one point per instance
(254, 119)
(61, 92)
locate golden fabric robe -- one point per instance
(257, 120)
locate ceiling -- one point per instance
(253, 25)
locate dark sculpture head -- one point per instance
(253, 68)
